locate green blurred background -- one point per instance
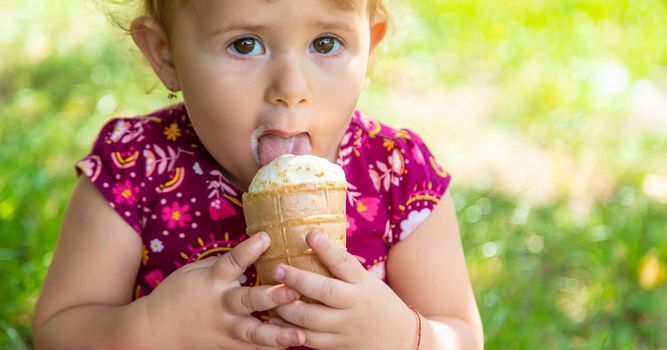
(550, 114)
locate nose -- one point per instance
(289, 83)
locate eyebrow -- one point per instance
(237, 26)
(229, 27)
(335, 25)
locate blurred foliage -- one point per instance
(565, 70)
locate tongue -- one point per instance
(273, 146)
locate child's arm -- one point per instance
(91, 276)
(86, 297)
(428, 271)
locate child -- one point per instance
(153, 252)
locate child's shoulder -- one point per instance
(379, 141)
(170, 124)
(373, 129)
(393, 165)
(135, 159)
(392, 155)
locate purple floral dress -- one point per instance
(156, 174)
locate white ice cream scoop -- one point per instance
(289, 170)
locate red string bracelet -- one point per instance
(419, 326)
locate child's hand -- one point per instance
(203, 306)
(360, 311)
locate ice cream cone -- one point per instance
(288, 214)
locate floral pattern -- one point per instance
(156, 174)
(176, 215)
(125, 193)
(119, 130)
(379, 270)
(412, 221)
(86, 166)
(172, 132)
(368, 207)
(154, 277)
(156, 245)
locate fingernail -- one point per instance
(294, 339)
(279, 273)
(299, 338)
(265, 237)
(263, 241)
(316, 237)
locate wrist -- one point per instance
(417, 329)
(131, 328)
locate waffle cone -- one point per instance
(288, 214)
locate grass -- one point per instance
(563, 77)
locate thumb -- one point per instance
(231, 265)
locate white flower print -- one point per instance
(135, 131)
(414, 219)
(383, 178)
(243, 279)
(197, 168)
(397, 162)
(352, 194)
(119, 129)
(385, 175)
(219, 186)
(156, 245)
(346, 150)
(378, 270)
(166, 159)
(86, 167)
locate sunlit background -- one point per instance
(550, 114)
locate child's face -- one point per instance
(255, 73)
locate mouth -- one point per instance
(268, 143)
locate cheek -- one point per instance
(220, 96)
(221, 113)
(345, 85)
(351, 85)
(211, 78)
(350, 68)
(337, 96)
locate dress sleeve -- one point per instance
(418, 184)
(115, 167)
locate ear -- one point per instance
(152, 40)
(378, 29)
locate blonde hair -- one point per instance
(160, 9)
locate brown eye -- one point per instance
(247, 47)
(326, 44)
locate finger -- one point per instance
(231, 265)
(199, 264)
(323, 340)
(278, 321)
(245, 300)
(341, 263)
(314, 317)
(330, 291)
(254, 331)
